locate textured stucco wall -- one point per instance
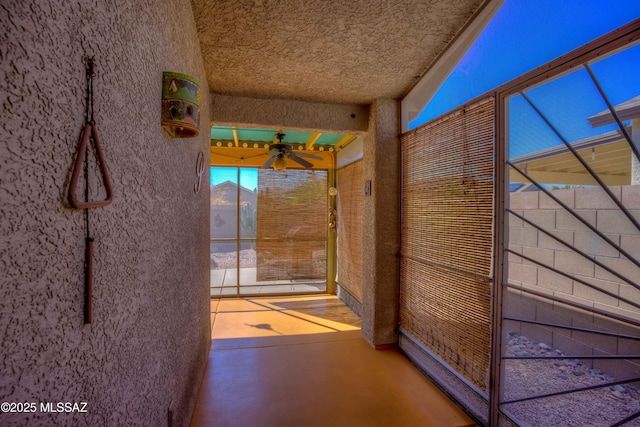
(235, 110)
(148, 344)
(381, 227)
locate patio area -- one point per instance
(224, 281)
(303, 361)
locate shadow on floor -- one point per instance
(267, 316)
(302, 361)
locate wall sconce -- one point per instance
(180, 105)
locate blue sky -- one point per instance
(569, 100)
(523, 35)
(248, 176)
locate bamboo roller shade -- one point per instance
(291, 225)
(350, 201)
(447, 214)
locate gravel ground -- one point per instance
(600, 407)
(221, 260)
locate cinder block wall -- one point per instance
(145, 351)
(595, 206)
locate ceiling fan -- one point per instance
(281, 150)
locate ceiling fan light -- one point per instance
(279, 164)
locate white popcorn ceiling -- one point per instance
(324, 51)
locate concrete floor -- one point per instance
(224, 281)
(303, 362)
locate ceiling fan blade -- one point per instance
(280, 148)
(310, 156)
(300, 161)
(269, 162)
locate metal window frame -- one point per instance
(617, 39)
(331, 250)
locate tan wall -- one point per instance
(148, 344)
(237, 110)
(594, 205)
(381, 225)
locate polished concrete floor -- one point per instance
(302, 361)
